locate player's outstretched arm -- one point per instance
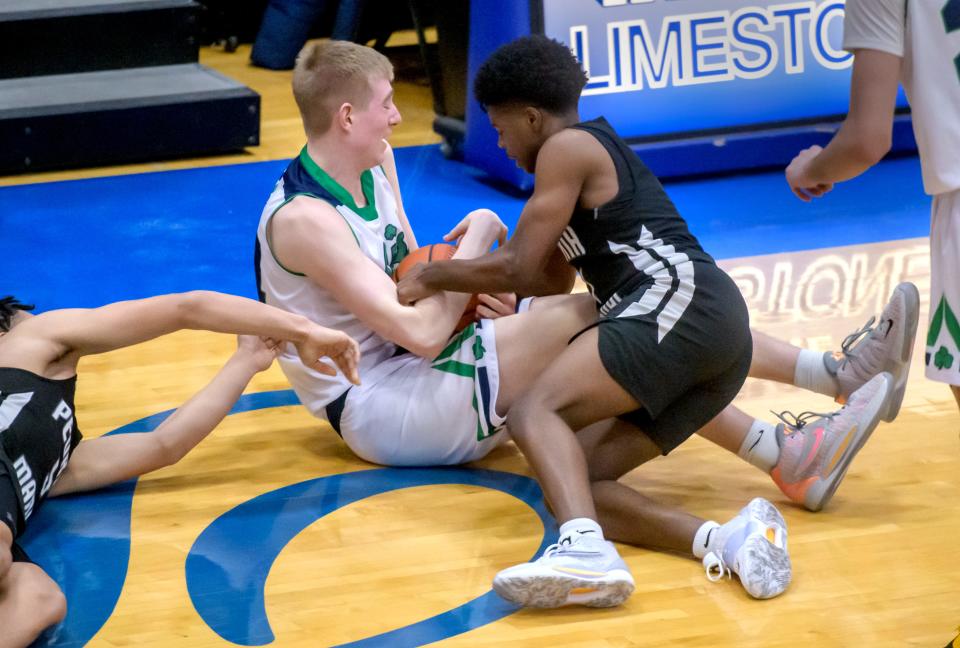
(110, 459)
(89, 331)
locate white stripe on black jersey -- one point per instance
(636, 239)
(38, 434)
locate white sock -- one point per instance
(760, 447)
(705, 536)
(812, 374)
(581, 526)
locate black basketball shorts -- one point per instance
(684, 369)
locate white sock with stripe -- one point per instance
(706, 534)
(581, 526)
(760, 447)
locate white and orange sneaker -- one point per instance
(580, 570)
(753, 545)
(816, 449)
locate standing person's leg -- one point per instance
(943, 335)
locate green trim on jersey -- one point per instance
(454, 345)
(456, 367)
(442, 361)
(269, 237)
(368, 213)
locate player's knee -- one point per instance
(50, 604)
(41, 595)
(600, 472)
(524, 414)
(602, 489)
(6, 560)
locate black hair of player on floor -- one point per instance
(8, 308)
(533, 70)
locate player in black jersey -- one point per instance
(670, 349)
(41, 451)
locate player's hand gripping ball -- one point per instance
(436, 252)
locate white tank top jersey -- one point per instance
(926, 34)
(377, 231)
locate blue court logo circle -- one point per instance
(83, 543)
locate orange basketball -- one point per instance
(436, 252)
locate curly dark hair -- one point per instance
(8, 308)
(534, 70)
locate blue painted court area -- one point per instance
(83, 543)
(88, 242)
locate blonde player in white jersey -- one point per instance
(329, 238)
(916, 43)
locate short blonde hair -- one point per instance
(330, 73)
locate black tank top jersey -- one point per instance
(38, 434)
(621, 245)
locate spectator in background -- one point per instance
(287, 25)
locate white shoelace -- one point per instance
(557, 547)
(549, 551)
(715, 567)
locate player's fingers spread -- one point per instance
(457, 231)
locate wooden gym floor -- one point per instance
(877, 567)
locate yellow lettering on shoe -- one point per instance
(841, 449)
(582, 590)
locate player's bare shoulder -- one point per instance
(575, 149)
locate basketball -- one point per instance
(436, 252)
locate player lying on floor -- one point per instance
(42, 453)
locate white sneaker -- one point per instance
(580, 570)
(753, 545)
(871, 350)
